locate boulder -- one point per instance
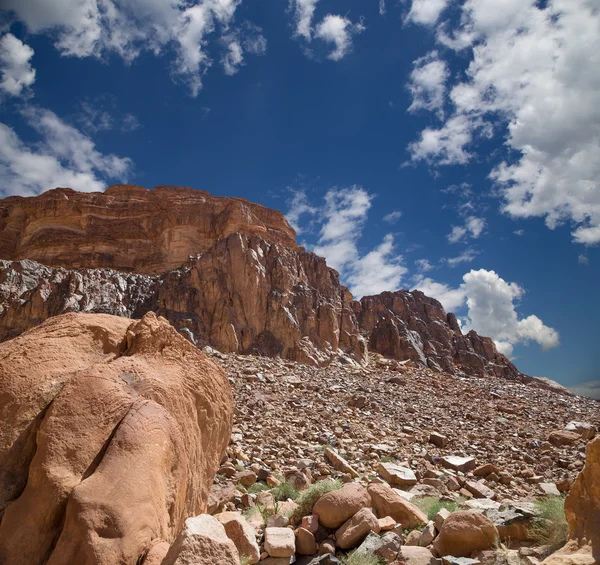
(354, 531)
(415, 555)
(397, 475)
(202, 541)
(456, 463)
(130, 421)
(280, 542)
(585, 430)
(336, 507)
(560, 438)
(242, 534)
(463, 533)
(582, 509)
(305, 542)
(386, 547)
(387, 502)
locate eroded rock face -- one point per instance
(243, 295)
(111, 431)
(409, 325)
(582, 509)
(129, 228)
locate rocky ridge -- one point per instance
(223, 271)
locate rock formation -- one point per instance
(223, 271)
(409, 325)
(111, 431)
(129, 228)
(582, 508)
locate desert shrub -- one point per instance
(356, 558)
(431, 505)
(308, 497)
(550, 527)
(284, 491)
(257, 487)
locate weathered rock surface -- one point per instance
(129, 228)
(242, 295)
(387, 502)
(335, 507)
(463, 533)
(202, 541)
(409, 325)
(582, 509)
(111, 431)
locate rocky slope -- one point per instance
(110, 435)
(129, 228)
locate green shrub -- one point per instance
(550, 527)
(257, 487)
(431, 505)
(308, 497)
(284, 491)
(356, 558)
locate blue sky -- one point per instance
(452, 146)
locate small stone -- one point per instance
(386, 524)
(438, 440)
(463, 464)
(305, 542)
(356, 529)
(561, 438)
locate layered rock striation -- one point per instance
(129, 228)
(111, 431)
(223, 271)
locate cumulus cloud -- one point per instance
(426, 12)
(491, 309)
(16, 72)
(339, 31)
(534, 77)
(95, 28)
(303, 15)
(341, 220)
(473, 228)
(333, 28)
(64, 156)
(423, 265)
(427, 83)
(583, 259)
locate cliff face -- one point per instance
(129, 228)
(409, 325)
(223, 271)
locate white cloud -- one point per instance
(333, 28)
(339, 31)
(427, 83)
(490, 302)
(426, 12)
(84, 28)
(520, 233)
(423, 265)
(379, 270)
(491, 312)
(298, 206)
(535, 78)
(583, 259)
(64, 157)
(451, 298)
(304, 12)
(465, 257)
(392, 217)
(381, 7)
(342, 219)
(233, 58)
(457, 234)
(249, 38)
(16, 72)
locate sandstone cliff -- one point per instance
(129, 228)
(111, 431)
(223, 271)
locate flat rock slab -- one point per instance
(456, 463)
(397, 475)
